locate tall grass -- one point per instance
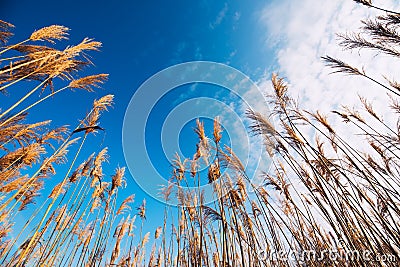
(327, 201)
(75, 224)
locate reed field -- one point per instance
(325, 202)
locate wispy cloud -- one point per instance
(237, 16)
(303, 31)
(220, 17)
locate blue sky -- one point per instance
(139, 39)
(142, 38)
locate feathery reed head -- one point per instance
(217, 130)
(5, 32)
(142, 210)
(118, 179)
(124, 205)
(89, 82)
(340, 66)
(364, 2)
(50, 33)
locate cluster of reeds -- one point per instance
(79, 222)
(326, 202)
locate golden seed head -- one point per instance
(89, 82)
(50, 33)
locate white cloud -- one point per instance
(220, 17)
(303, 31)
(306, 31)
